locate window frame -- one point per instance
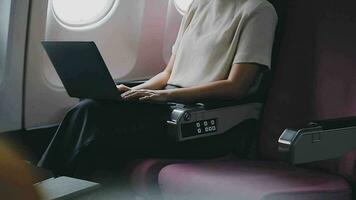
(179, 8)
(87, 24)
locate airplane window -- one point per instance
(81, 13)
(182, 5)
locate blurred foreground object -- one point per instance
(15, 177)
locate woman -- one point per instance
(221, 48)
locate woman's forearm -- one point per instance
(235, 87)
(240, 79)
(158, 82)
(219, 90)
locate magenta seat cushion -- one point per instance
(249, 180)
(143, 174)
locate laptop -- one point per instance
(82, 70)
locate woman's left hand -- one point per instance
(147, 95)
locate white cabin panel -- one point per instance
(13, 28)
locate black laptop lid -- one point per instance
(82, 70)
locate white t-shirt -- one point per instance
(215, 34)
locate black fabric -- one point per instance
(103, 132)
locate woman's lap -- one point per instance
(107, 127)
(112, 130)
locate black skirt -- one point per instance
(101, 132)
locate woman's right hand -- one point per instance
(123, 88)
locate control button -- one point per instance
(205, 123)
(187, 116)
(198, 125)
(199, 130)
(206, 129)
(212, 122)
(214, 128)
(210, 129)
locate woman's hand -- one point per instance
(147, 95)
(123, 88)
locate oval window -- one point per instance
(182, 5)
(77, 13)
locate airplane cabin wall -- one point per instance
(135, 41)
(5, 8)
(13, 27)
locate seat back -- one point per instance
(315, 74)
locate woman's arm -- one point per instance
(158, 82)
(235, 87)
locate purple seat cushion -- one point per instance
(248, 180)
(143, 174)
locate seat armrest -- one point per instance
(199, 120)
(191, 121)
(320, 140)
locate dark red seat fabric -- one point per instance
(249, 180)
(144, 173)
(234, 179)
(314, 79)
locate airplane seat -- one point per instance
(314, 79)
(144, 173)
(326, 86)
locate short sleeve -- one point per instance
(183, 27)
(257, 36)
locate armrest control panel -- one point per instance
(191, 122)
(208, 126)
